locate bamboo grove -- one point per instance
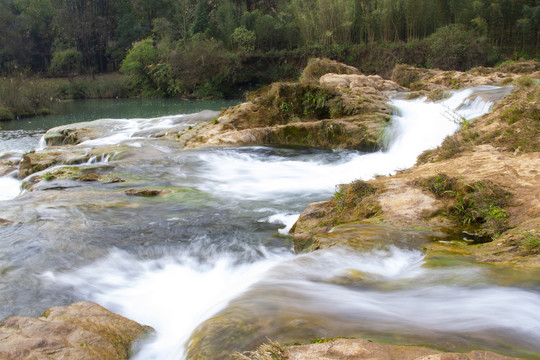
(59, 37)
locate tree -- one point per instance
(66, 63)
(243, 40)
(137, 62)
(453, 47)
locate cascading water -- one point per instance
(216, 242)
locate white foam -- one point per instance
(419, 126)
(286, 219)
(10, 188)
(173, 295)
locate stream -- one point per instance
(215, 246)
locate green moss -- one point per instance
(46, 313)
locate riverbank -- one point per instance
(23, 96)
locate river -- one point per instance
(217, 243)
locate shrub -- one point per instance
(66, 63)
(6, 114)
(477, 206)
(136, 63)
(453, 47)
(203, 66)
(243, 40)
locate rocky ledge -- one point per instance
(484, 180)
(344, 110)
(80, 331)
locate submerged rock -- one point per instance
(80, 331)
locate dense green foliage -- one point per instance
(261, 40)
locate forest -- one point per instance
(220, 48)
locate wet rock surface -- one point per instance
(361, 350)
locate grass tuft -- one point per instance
(477, 206)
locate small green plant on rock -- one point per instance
(340, 198)
(270, 351)
(478, 206)
(532, 242)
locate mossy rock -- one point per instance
(478, 207)
(519, 67)
(319, 67)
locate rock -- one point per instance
(5, 222)
(80, 331)
(354, 349)
(319, 67)
(33, 162)
(303, 115)
(360, 82)
(9, 162)
(506, 178)
(432, 79)
(365, 349)
(73, 134)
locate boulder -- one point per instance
(36, 161)
(33, 162)
(302, 114)
(319, 67)
(80, 331)
(73, 134)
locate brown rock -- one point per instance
(145, 192)
(304, 114)
(80, 331)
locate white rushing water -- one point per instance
(10, 188)
(418, 126)
(178, 292)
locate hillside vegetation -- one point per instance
(217, 48)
